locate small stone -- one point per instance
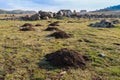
(101, 55)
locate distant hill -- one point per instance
(111, 8)
(16, 12)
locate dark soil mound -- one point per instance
(27, 24)
(27, 27)
(87, 58)
(54, 24)
(60, 34)
(38, 25)
(66, 58)
(51, 29)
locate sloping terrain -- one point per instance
(111, 8)
(16, 12)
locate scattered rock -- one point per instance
(66, 58)
(60, 34)
(103, 24)
(101, 55)
(115, 22)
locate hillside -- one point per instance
(111, 8)
(16, 12)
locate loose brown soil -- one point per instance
(60, 34)
(66, 58)
(54, 24)
(51, 29)
(27, 27)
(27, 24)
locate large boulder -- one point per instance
(35, 17)
(46, 15)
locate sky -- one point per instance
(55, 5)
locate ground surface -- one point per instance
(22, 53)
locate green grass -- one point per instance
(22, 53)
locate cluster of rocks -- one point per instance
(115, 21)
(47, 15)
(103, 24)
(97, 16)
(39, 15)
(68, 13)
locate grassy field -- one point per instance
(22, 53)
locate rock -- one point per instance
(35, 17)
(102, 24)
(115, 22)
(101, 55)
